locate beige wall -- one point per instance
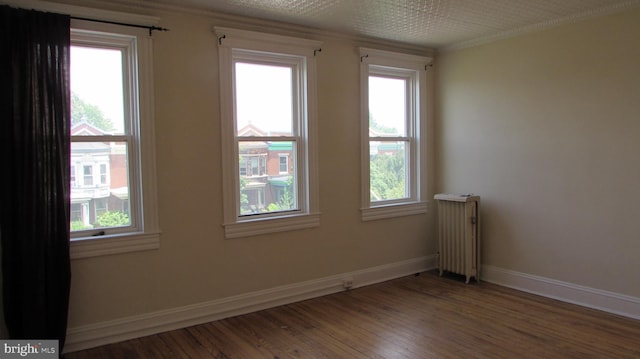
(546, 128)
(195, 263)
(543, 126)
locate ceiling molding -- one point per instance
(607, 10)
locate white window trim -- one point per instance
(146, 234)
(416, 203)
(308, 216)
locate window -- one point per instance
(283, 163)
(102, 207)
(103, 173)
(76, 214)
(73, 178)
(88, 175)
(111, 141)
(268, 105)
(252, 165)
(393, 109)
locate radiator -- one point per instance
(459, 234)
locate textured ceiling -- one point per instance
(432, 23)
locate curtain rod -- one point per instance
(150, 28)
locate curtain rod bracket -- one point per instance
(156, 28)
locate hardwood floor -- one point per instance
(423, 316)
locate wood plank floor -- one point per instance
(423, 316)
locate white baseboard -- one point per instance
(93, 335)
(611, 302)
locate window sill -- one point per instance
(394, 210)
(105, 245)
(271, 225)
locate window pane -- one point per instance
(87, 178)
(387, 106)
(264, 100)
(284, 164)
(264, 187)
(388, 169)
(97, 106)
(100, 194)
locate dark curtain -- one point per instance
(35, 194)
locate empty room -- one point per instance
(321, 179)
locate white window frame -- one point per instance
(144, 232)
(234, 43)
(413, 69)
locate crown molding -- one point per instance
(603, 11)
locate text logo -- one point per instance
(28, 349)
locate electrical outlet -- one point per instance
(347, 283)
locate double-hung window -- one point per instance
(393, 112)
(113, 206)
(268, 110)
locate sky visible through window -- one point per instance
(387, 102)
(96, 78)
(264, 97)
